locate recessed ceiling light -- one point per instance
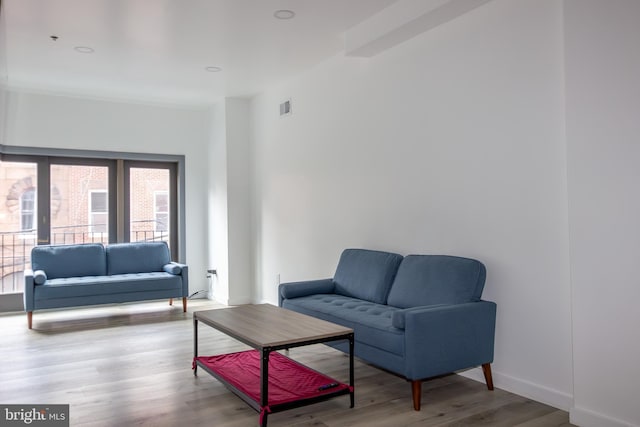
(213, 69)
(284, 14)
(84, 49)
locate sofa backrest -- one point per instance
(58, 261)
(366, 274)
(137, 257)
(437, 279)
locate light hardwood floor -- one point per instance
(130, 364)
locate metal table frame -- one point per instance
(265, 351)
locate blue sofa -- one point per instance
(88, 274)
(418, 316)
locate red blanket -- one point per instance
(289, 381)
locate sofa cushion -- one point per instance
(69, 260)
(437, 279)
(70, 287)
(139, 257)
(370, 322)
(366, 274)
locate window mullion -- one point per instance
(116, 196)
(43, 209)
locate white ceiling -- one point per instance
(157, 50)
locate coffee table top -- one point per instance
(265, 325)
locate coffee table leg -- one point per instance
(195, 344)
(264, 386)
(351, 376)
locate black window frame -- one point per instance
(44, 157)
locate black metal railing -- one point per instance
(146, 235)
(77, 234)
(15, 257)
(15, 247)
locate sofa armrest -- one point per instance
(39, 277)
(444, 339)
(184, 272)
(398, 319)
(172, 268)
(28, 290)
(303, 289)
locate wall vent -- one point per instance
(285, 108)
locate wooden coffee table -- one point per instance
(268, 328)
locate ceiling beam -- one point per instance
(402, 21)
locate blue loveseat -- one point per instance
(88, 274)
(418, 316)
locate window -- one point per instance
(28, 210)
(150, 201)
(98, 211)
(161, 211)
(19, 216)
(85, 197)
(80, 212)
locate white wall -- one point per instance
(218, 223)
(230, 202)
(603, 136)
(239, 200)
(453, 143)
(39, 120)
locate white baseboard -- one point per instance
(578, 416)
(586, 418)
(239, 300)
(217, 298)
(11, 303)
(548, 396)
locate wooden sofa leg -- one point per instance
(416, 388)
(184, 304)
(170, 301)
(30, 319)
(486, 369)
